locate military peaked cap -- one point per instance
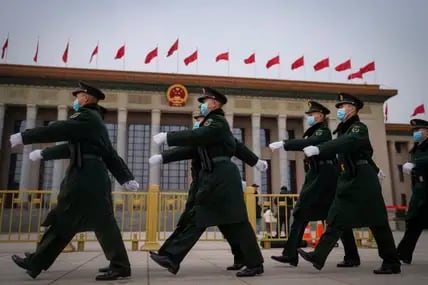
(345, 98)
(213, 94)
(91, 90)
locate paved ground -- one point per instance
(206, 263)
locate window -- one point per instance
(112, 133)
(264, 137)
(266, 187)
(46, 175)
(139, 152)
(239, 135)
(397, 147)
(291, 134)
(400, 172)
(292, 177)
(173, 175)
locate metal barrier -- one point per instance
(149, 217)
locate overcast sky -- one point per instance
(391, 32)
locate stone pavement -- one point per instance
(206, 265)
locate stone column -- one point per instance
(122, 118)
(154, 172)
(59, 164)
(2, 111)
(255, 131)
(229, 118)
(283, 160)
(26, 167)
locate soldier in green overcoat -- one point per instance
(84, 200)
(358, 201)
(185, 235)
(417, 214)
(319, 186)
(219, 200)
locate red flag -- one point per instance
(222, 56)
(250, 59)
(419, 110)
(274, 60)
(65, 54)
(173, 48)
(151, 55)
(3, 49)
(191, 58)
(120, 52)
(94, 53)
(386, 112)
(36, 55)
(343, 66)
(367, 68)
(322, 64)
(357, 74)
(298, 63)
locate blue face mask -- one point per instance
(76, 105)
(196, 125)
(418, 136)
(204, 109)
(311, 121)
(341, 114)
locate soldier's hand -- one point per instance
(159, 138)
(261, 165)
(15, 139)
(155, 159)
(311, 150)
(131, 185)
(380, 175)
(36, 155)
(407, 167)
(276, 145)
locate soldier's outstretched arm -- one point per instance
(321, 135)
(117, 166)
(213, 131)
(359, 136)
(77, 127)
(178, 154)
(61, 151)
(243, 153)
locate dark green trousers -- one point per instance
(240, 237)
(297, 231)
(407, 245)
(108, 235)
(382, 235)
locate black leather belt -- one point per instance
(322, 162)
(361, 162)
(220, 159)
(92, 156)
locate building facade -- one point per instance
(259, 111)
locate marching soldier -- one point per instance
(358, 201)
(318, 189)
(219, 199)
(84, 200)
(417, 215)
(185, 234)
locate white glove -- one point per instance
(276, 145)
(159, 138)
(407, 167)
(36, 155)
(381, 176)
(131, 185)
(155, 159)
(15, 139)
(261, 165)
(311, 150)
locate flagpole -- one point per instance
(197, 60)
(228, 62)
(68, 50)
(304, 70)
(255, 62)
(279, 66)
(329, 70)
(374, 72)
(37, 49)
(178, 50)
(157, 58)
(98, 51)
(124, 56)
(7, 49)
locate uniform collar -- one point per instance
(344, 126)
(94, 106)
(312, 129)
